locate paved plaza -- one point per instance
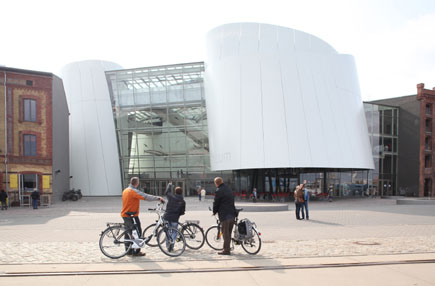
(65, 235)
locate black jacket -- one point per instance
(223, 203)
(176, 206)
(35, 195)
(3, 196)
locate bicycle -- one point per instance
(192, 232)
(117, 240)
(250, 243)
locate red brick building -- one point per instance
(33, 135)
(427, 174)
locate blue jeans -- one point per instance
(172, 234)
(304, 208)
(35, 204)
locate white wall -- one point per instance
(278, 97)
(94, 162)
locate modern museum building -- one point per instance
(268, 108)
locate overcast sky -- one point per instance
(393, 41)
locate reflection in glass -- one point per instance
(161, 125)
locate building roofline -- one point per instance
(159, 66)
(382, 104)
(23, 71)
(397, 97)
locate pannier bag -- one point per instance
(244, 229)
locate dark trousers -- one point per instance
(128, 221)
(298, 210)
(227, 227)
(35, 203)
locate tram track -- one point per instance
(213, 269)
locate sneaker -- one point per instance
(171, 248)
(139, 254)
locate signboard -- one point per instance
(13, 181)
(45, 182)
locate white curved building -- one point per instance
(94, 161)
(281, 98)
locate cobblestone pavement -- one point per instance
(68, 232)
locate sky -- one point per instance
(393, 41)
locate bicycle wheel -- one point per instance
(253, 244)
(112, 242)
(149, 231)
(214, 238)
(171, 241)
(193, 234)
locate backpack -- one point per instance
(244, 229)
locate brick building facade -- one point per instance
(28, 127)
(427, 175)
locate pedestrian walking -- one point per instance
(254, 195)
(3, 199)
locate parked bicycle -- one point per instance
(192, 232)
(245, 234)
(117, 240)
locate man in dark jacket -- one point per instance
(224, 206)
(175, 208)
(3, 197)
(35, 198)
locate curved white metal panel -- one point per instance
(94, 162)
(278, 97)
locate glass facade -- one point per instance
(383, 126)
(161, 126)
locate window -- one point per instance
(428, 109)
(428, 143)
(29, 82)
(30, 181)
(428, 125)
(427, 161)
(29, 145)
(29, 110)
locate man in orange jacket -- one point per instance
(131, 197)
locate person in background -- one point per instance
(203, 192)
(198, 191)
(330, 194)
(305, 204)
(254, 195)
(3, 197)
(35, 198)
(299, 200)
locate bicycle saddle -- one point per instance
(238, 211)
(131, 213)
